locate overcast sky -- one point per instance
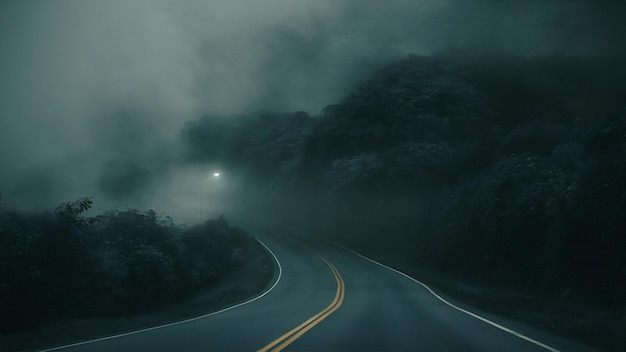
(90, 87)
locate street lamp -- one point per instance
(215, 174)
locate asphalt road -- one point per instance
(327, 298)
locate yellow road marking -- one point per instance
(307, 325)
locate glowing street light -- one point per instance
(215, 174)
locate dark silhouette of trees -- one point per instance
(61, 264)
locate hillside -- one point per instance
(500, 171)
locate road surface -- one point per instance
(327, 298)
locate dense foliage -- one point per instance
(505, 170)
(518, 182)
(60, 264)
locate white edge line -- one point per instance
(280, 272)
(503, 328)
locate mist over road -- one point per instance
(330, 299)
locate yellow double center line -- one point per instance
(299, 330)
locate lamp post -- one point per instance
(215, 174)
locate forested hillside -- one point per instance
(500, 170)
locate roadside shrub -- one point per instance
(60, 265)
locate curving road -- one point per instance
(327, 298)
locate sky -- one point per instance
(92, 92)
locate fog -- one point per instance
(93, 94)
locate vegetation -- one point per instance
(500, 170)
(60, 264)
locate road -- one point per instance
(328, 298)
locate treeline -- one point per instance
(505, 170)
(509, 171)
(59, 264)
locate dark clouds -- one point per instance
(93, 92)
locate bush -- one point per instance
(45, 268)
(60, 265)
